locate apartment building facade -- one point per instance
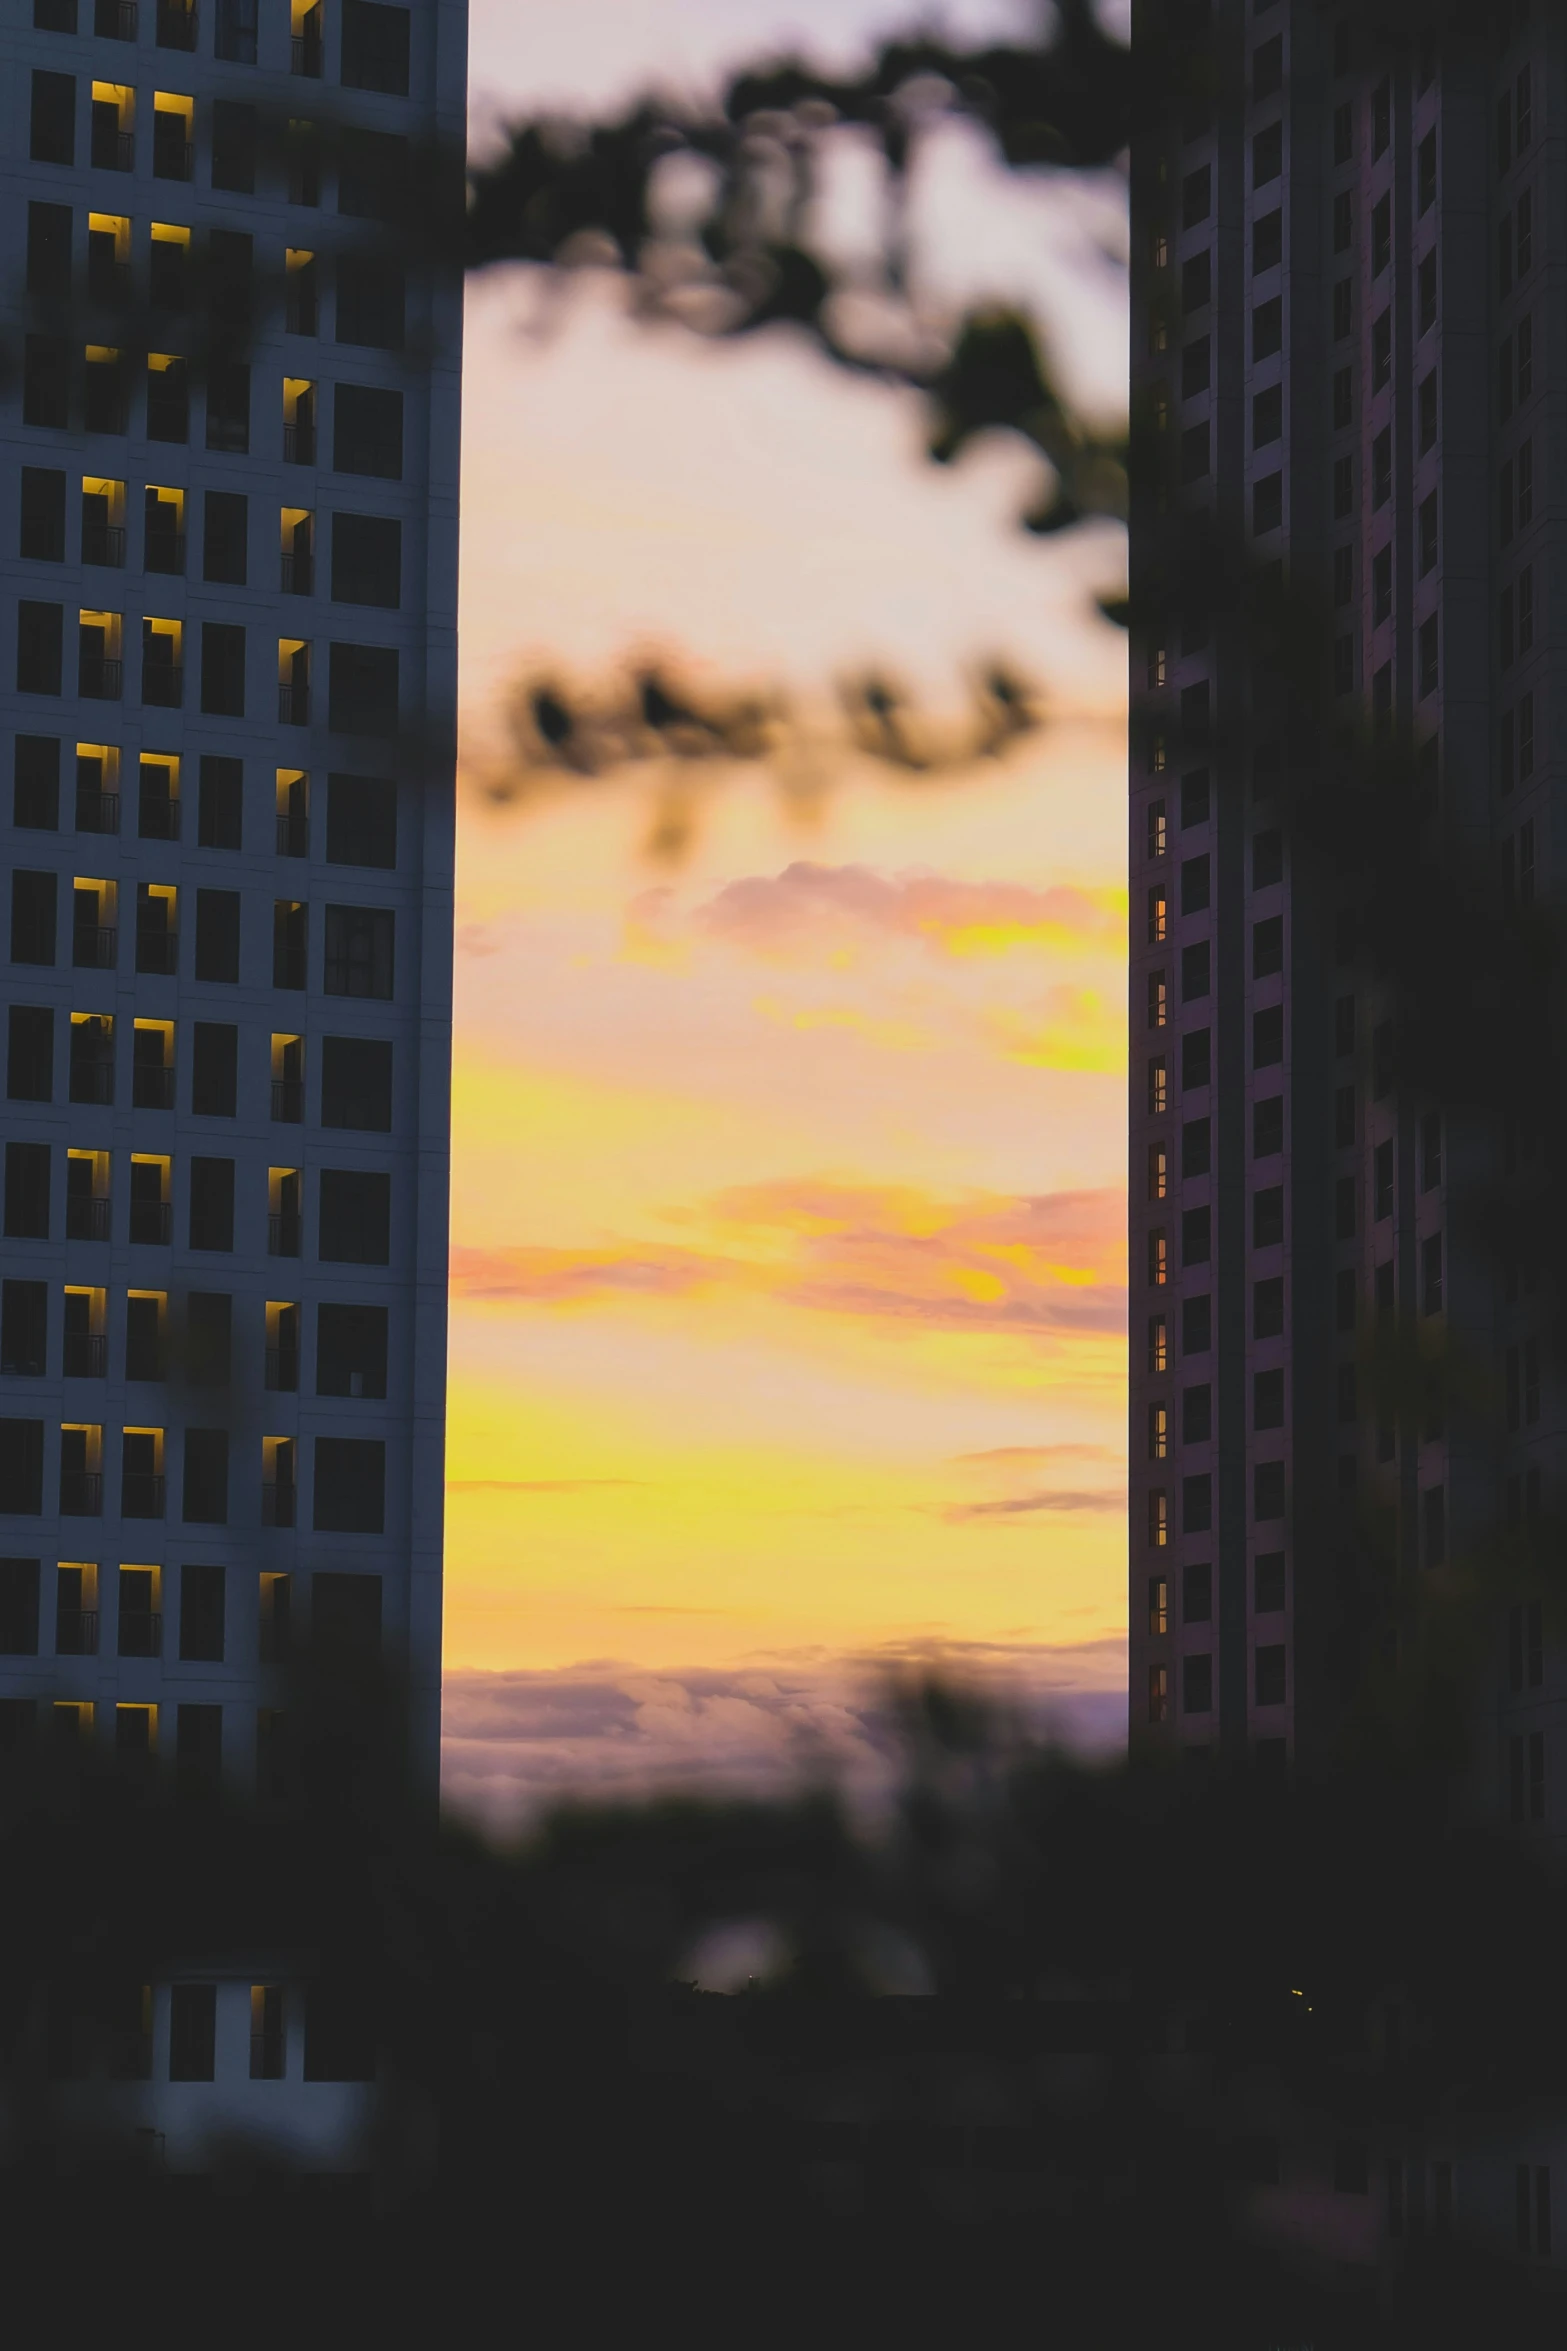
(1346, 362)
(228, 522)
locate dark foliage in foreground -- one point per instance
(1069, 2126)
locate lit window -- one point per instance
(1158, 1432)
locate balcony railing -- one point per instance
(288, 1101)
(172, 158)
(86, 1355)
(141, 1629)
(115, 20)
(166, 551)
(94, 946)
(157, 951)
(305, 55)
(100, 679)
(86, 1218)
(277, 1502)
(92, 1081)
(81, 1493)
(151, 1088)
(298, 575)
(283, 1236)
(162, 685)
(293, 705)
(158, 817)
(141, 1494)
(299, 443)
(293, 836)
(152, 1223)
(103, 542)
(176, 28)
(76, 1632)
(283, 1370)
(113, 150)
(97, 812)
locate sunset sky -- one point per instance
(788, 1271)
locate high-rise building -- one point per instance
(1344, 234)
(228, 523)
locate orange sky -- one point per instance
(788, 1275)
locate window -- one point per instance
(356, 1211)
(367, 431)
(1158, 1344)
(1267, 1217)
(1381, 235)
(1269, 1684)
(1158, 915)
(26, 1191)
(1196, 282)
(1194, 885)
(1267, 331)
(1382, 467)
(33, 902)
(1381, 116)
(1196, 1147)
(1158, 1432)
(1267, 1036)
(211, 1204)
(1196, 196)
(1382, 586)
(1196, 1236)
(1194, 798)
(1267, 154)
(42, 534)
(30, 1054)
(1158, 832)
(1267, 1321)
(1425, 173)
(220, 803)
(1343, 400)
(1158, 1605)
(1267, 1127)
(224, 556)
(1196, 1059)
(1427, 523)
(40, 647)
(1267, 503)
(1158, 1086)
(193, 2032)
(1525, 484)
(1196, 1325)
(1267, 1490)
(359, 951)
(371, 303)
(1267, 242)
(1425, 282)
(214, 1069)
(1343, 133)
(1343, 220)
(1158, 1692)
(373, 174)
(1267, 67)
(1427, 665)
(1267, 859)
(53, 134)
(222, 669)
(1525, 232)
(1197, 1684)
(1525, 108)
(1158, 1000)
(1194, 368)
(1343, 310)
(350, 1483)
(1195, 454)
(364, 689)
(1427, 405)
(1194, 971)
(202, 1613)
(48, 249)
(1526, 608)
(205, 1486)
(1525, 737)
(1431, 1274)
(1197, 1415)
(1343, 488)
(1197, 1503)
(356, 1084)
(1525, 359)
(366, 560)
(1504, 627)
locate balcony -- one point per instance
(152, 1223)
(299, 443)
(108, 281)
(304, 54)
(277, 1502)
(81, 1494)
(141, 1629)
(76, 1632)
(165, 552)
(288, 1101)
(141, 1494)
(86, 1355)
(112, 148)
(283, 1235)
(176, 27)
(293, 705)
(158, 817)
(298, 572)
(114, 20)
(86, 1219)
(100, 679)
(158, 951)
(94, 946)
(173, 155)
(162, 685)
(152, 1088)
(97, 812)
(293, 836)
(283, 1370)
(103, 542)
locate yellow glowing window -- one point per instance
(293, 788)
(282, 1191)
(103, 355)
(165, 232)
(170, 102)
(292, 517)
(149, 1030)
(298, 258)
(120, 96)
(172, 633)
(108, 626)
(73, 1717)
(293, 655)
(295, 390)
(115, 225)
(136, 1730)
(161, 361)
(108, 494)
(170, 504)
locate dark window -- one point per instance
(350, 1486)
(48, 249)
(363, 689)
(1197, 1595)
(1381, 235)
(35, 796)
(205, 1495)
(339, 2032)
(1197, 1684)
(22, 1468)
(1381, 350)
(40, 647)
(1267, 859)
(1267, 1127)
(1196, 1325)
(27, 1191)
(1267, 154)
(1267, 1400)
(1196, 1236)
(202, 1597)
(1343, 488)
(1196, 1147)
(1194, 971)
(290, 943)
(1425, 173)
(1196, 196)
(1267, 503)
(1195, 453)
(1382, 1059)
(224, 542)
(1194, 368)
(356, 1218)
(1267, 947)
(1267, 241)
(1426, 429)
(351, 1351)
(1267, 416)
(1267, 1036)
(209, 1337)
(30, 1054)
(1343, 310)
(1267, 1217)
(1268, 1307)
(367, 560)
(1267, 67)
(228, 406)
(19, 1607)
(212, 1203)
(24, 1322)
(1196, 281)
(1194, 885)
(1196, 1059)
(193, 2032)
(373, 174)
(33, 897)
(371, 302)
(375, 48)
(217, 935)
(361, 821)
(359, 951)
(1428, 660)
(42, 537)
(1428, 541)
(356, 1083)
(1343, 220)
(234, 144)
(1267, 328)
(222, 669)
(1431, 1274)
(214, 1081)
(1344, 1300)
(1426, 294)
(220, 803)
(1196, 1503)
(1382, 467)
(367, 431)
(1271, 1679)
(168, 399)
(1431, 1150)
(1197, 1415)
(53, 118)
